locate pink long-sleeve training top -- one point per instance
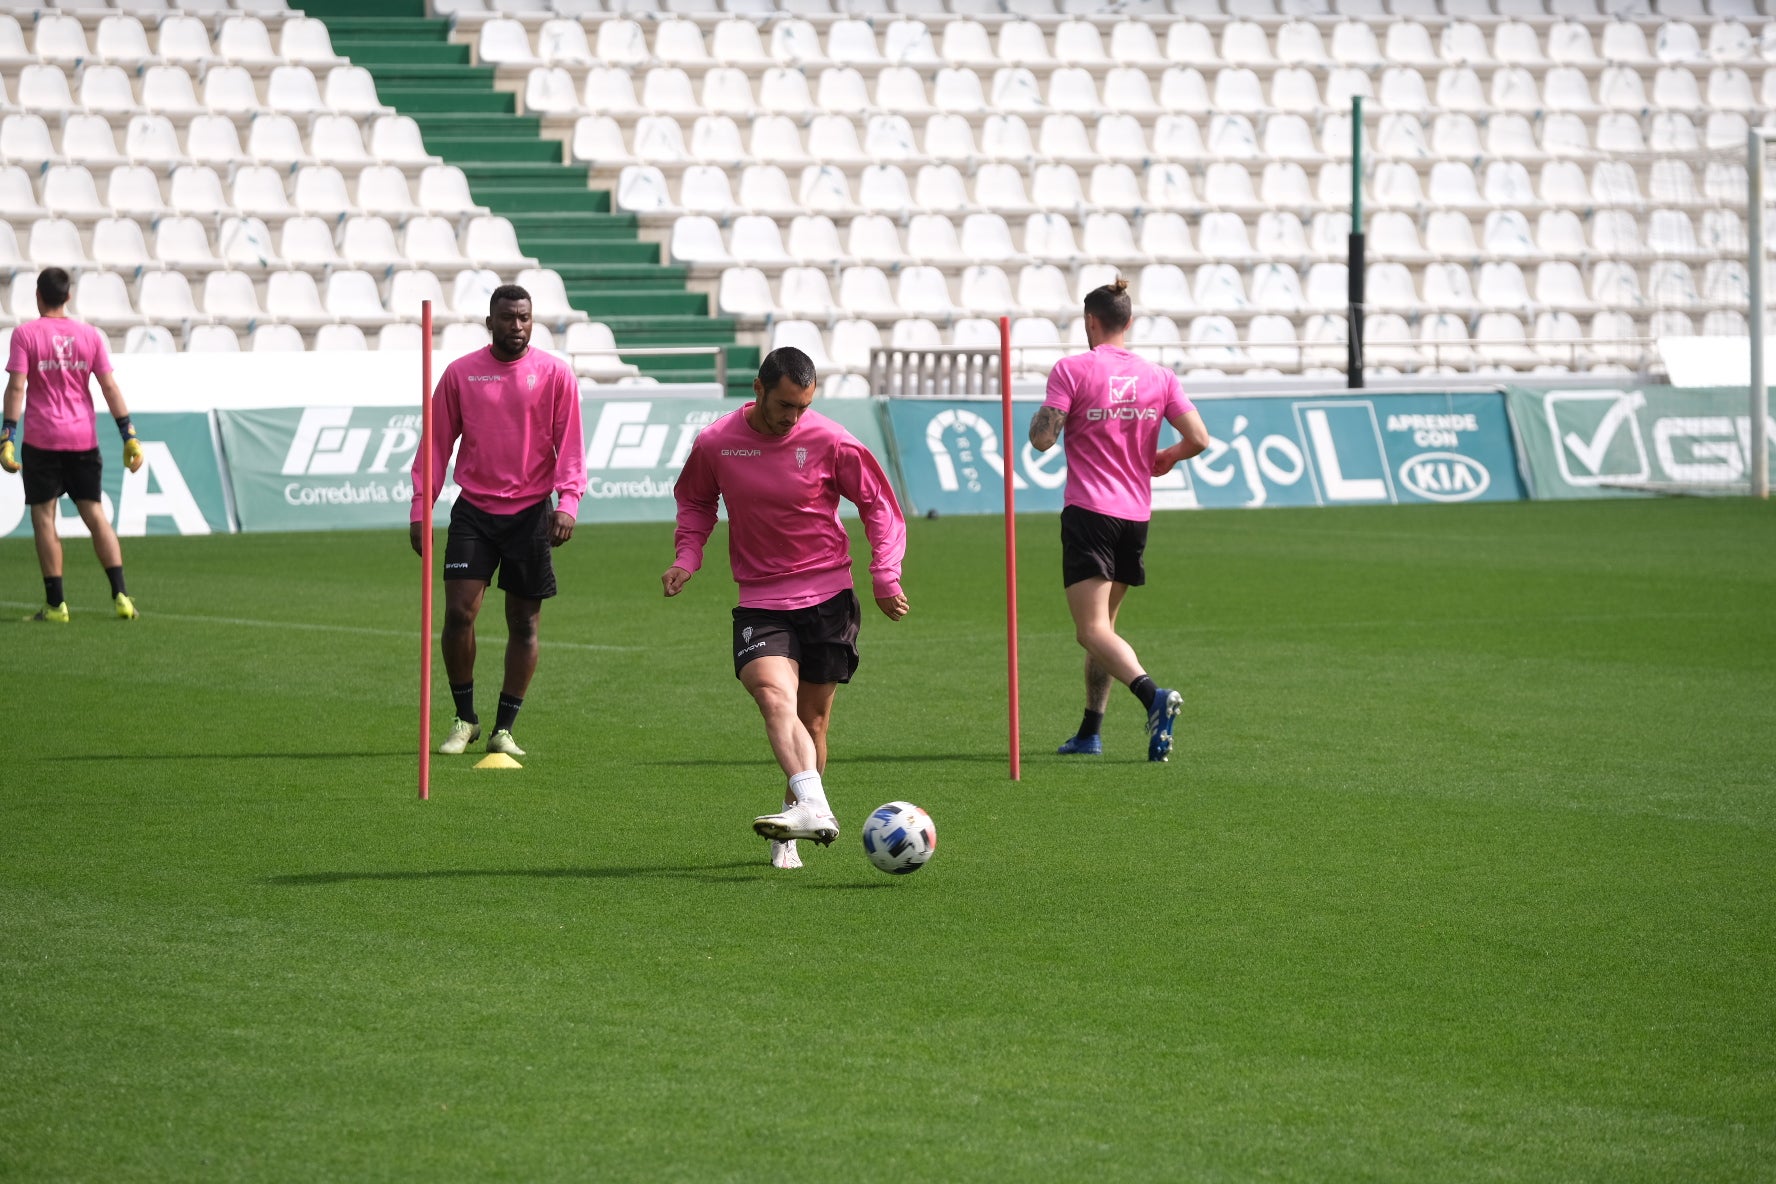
(520, 427)
(786, 545)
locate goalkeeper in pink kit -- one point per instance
(782, 469)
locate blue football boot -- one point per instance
(1160, 717)
(1081, 746)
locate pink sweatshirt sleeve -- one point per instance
(865, 486)
(446, 427)
(570, 448)
(696, 492)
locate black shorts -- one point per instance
(517, 545)
(822, 638)
(1096, 546)
(50, 472)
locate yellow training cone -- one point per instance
(497, 760)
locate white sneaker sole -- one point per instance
(779, 830)
(784, 855)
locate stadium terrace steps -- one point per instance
(609, 273)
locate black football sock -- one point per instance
(52, 590)
(1092, 724)
(508, 712)
(1146, 690)
(115, 575)
(465, 702)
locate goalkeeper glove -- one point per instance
(132, 447)
(8, 451)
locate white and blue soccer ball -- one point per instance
(899, 837)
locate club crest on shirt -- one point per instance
(801, 458)
(1123, 388)
(64, 347)
(532, 380)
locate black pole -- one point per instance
(1353, 363)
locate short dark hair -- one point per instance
(1111, 305)
(786, 362)
(508, 292)
(53, 286)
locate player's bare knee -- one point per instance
(773, 700)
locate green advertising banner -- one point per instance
(321, 468)
(1619, 443)
(636, 447)
(343, 468)
(178, 490)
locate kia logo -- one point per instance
(1445, 477)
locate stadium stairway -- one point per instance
(610, 274)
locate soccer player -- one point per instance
(782, 470)
(1110, 402)
(53, 360)
(517, 412)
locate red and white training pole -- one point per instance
(427, 487)
(1011, 629)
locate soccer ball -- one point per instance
(899, 837)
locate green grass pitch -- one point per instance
(1466, 871)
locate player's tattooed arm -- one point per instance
(1045, 428)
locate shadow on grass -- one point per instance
(700, 872)
(896, 758)
(226, 756)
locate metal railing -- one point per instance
(935, 371)
(939, 372)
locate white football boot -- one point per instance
(783, 854)
(800, 821)
(461, 736)
(501, 741)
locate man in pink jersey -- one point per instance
(1110, 403)
(53, 361)
(517, 412)
(782, 469)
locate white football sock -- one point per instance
(806, 787)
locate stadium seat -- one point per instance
(757, 240)
(212, 339)
(873, 239)
(462, 338)
(246, 242)
(864, 292)
(340, 339)
(165, 298)
(429, 241)
(764, 189)
(805, 291)
(853, 340)
(244, 40)
(813, 239)
(229, 296)
(400, 336)
(697, 239)
(101, 298)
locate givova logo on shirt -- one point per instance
(1124, 392)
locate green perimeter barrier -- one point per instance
(321, 468)
(178, 490)
(1620, 443)
(1372, 449)
(636, 447)
(342, 468)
